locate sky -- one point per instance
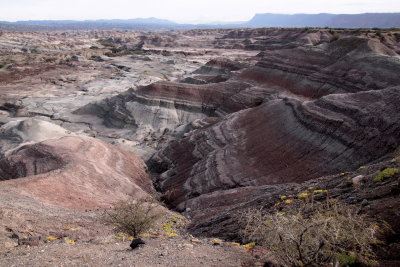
(182, 11)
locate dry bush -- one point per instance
(313, 233)
(134, 217)
(335, 37)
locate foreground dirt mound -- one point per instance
(75, 172)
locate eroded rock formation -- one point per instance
(314, 111)
(282, 141)
(225, 119)
(75, 172)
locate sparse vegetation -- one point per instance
(106, 42)
(303, 195)
(2, 65)
(335, 37)
(70, 241)
(309, 233)
(51, 238)
(134, 217)
(96, 58)
(171, 225)
(320, 191)
(117, 52)
(385, 174)
(347, 259)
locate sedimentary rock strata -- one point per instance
(282, 141)
(161, 107)
(225, 119)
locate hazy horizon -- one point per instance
(181, 11)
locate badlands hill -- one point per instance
(218, 121)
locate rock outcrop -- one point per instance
(20, 132)
(282, 141)
(161, 107)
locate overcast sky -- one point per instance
(181, 10)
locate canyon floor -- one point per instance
(217, 121)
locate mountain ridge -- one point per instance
(364, 20)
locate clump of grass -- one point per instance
(385, 174)
(51, 238)
(347, 259)
(2, 65)
(70, 241)
(303, 195)
(320, 191)
(288, 201)
(173, 224)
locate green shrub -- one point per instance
(2, 65)
(134, 217)
(386, 173)
(308, 233)
(347, 259)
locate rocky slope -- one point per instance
(215, 213)
(320, 110)
(313, 110)
(282, 141)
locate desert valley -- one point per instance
(215, 121)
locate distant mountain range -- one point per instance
(367, 20)
(51, 23)
(138, 23)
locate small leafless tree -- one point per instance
(134, 217)
(313, 233)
